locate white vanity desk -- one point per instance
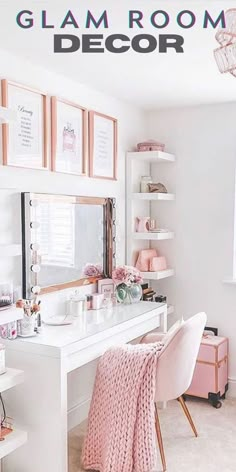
(40, 404)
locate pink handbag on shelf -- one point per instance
(144, 258)
(157, 263)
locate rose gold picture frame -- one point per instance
(92, 156)
(54, 135)
(6, 130)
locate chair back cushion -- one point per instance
(176, 363)
(172, 332)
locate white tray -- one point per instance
(58, 321)
(27, 335)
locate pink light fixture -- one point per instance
(225, 55)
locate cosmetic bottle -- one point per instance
(89, 302)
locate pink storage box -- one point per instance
(144, 258)
(210, 379)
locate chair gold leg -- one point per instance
(159, 439)
(187, 413)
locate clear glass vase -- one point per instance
(128, 294)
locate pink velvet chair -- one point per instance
(175, 366)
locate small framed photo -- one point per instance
(106, 286)
(102, 146)
(25, 140)
(69, 137)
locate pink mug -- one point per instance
(142, 224)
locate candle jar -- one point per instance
(77, 305)
(6, 294)
(145, 180)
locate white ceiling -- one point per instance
(148, 80)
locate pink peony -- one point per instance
(126, 275)
(93, 270)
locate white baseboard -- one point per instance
(232, 388)
(78, 413)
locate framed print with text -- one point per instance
(102, 146)
(25, 140)
(69, 137)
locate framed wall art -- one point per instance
(69, 137)
(25, 140)
(102, 146)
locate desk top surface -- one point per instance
(90, 324)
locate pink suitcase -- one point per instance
(210, 378)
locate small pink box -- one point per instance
(210, 378)
(157, 264)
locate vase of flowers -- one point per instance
(127, 280)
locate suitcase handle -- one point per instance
(214, 330)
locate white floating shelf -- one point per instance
(7, 115)
(11, 378)
(10, 250)
(153, 196)
(12, 441)
(10, 314)
(149, 236)
(152, 156)
(170, 309)
(161, 274)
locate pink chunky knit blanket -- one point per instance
(121, 436)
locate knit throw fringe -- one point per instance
(121, 435)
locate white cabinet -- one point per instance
(16, 438)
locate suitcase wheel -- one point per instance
(214, 399)
(217, 404)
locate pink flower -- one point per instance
(126, 275)
(93, 270)
(120, 275)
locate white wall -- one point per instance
(203, 139)
(131, 129)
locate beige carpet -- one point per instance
(213, 451)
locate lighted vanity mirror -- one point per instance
(60, 235)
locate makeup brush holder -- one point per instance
(26, 326)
